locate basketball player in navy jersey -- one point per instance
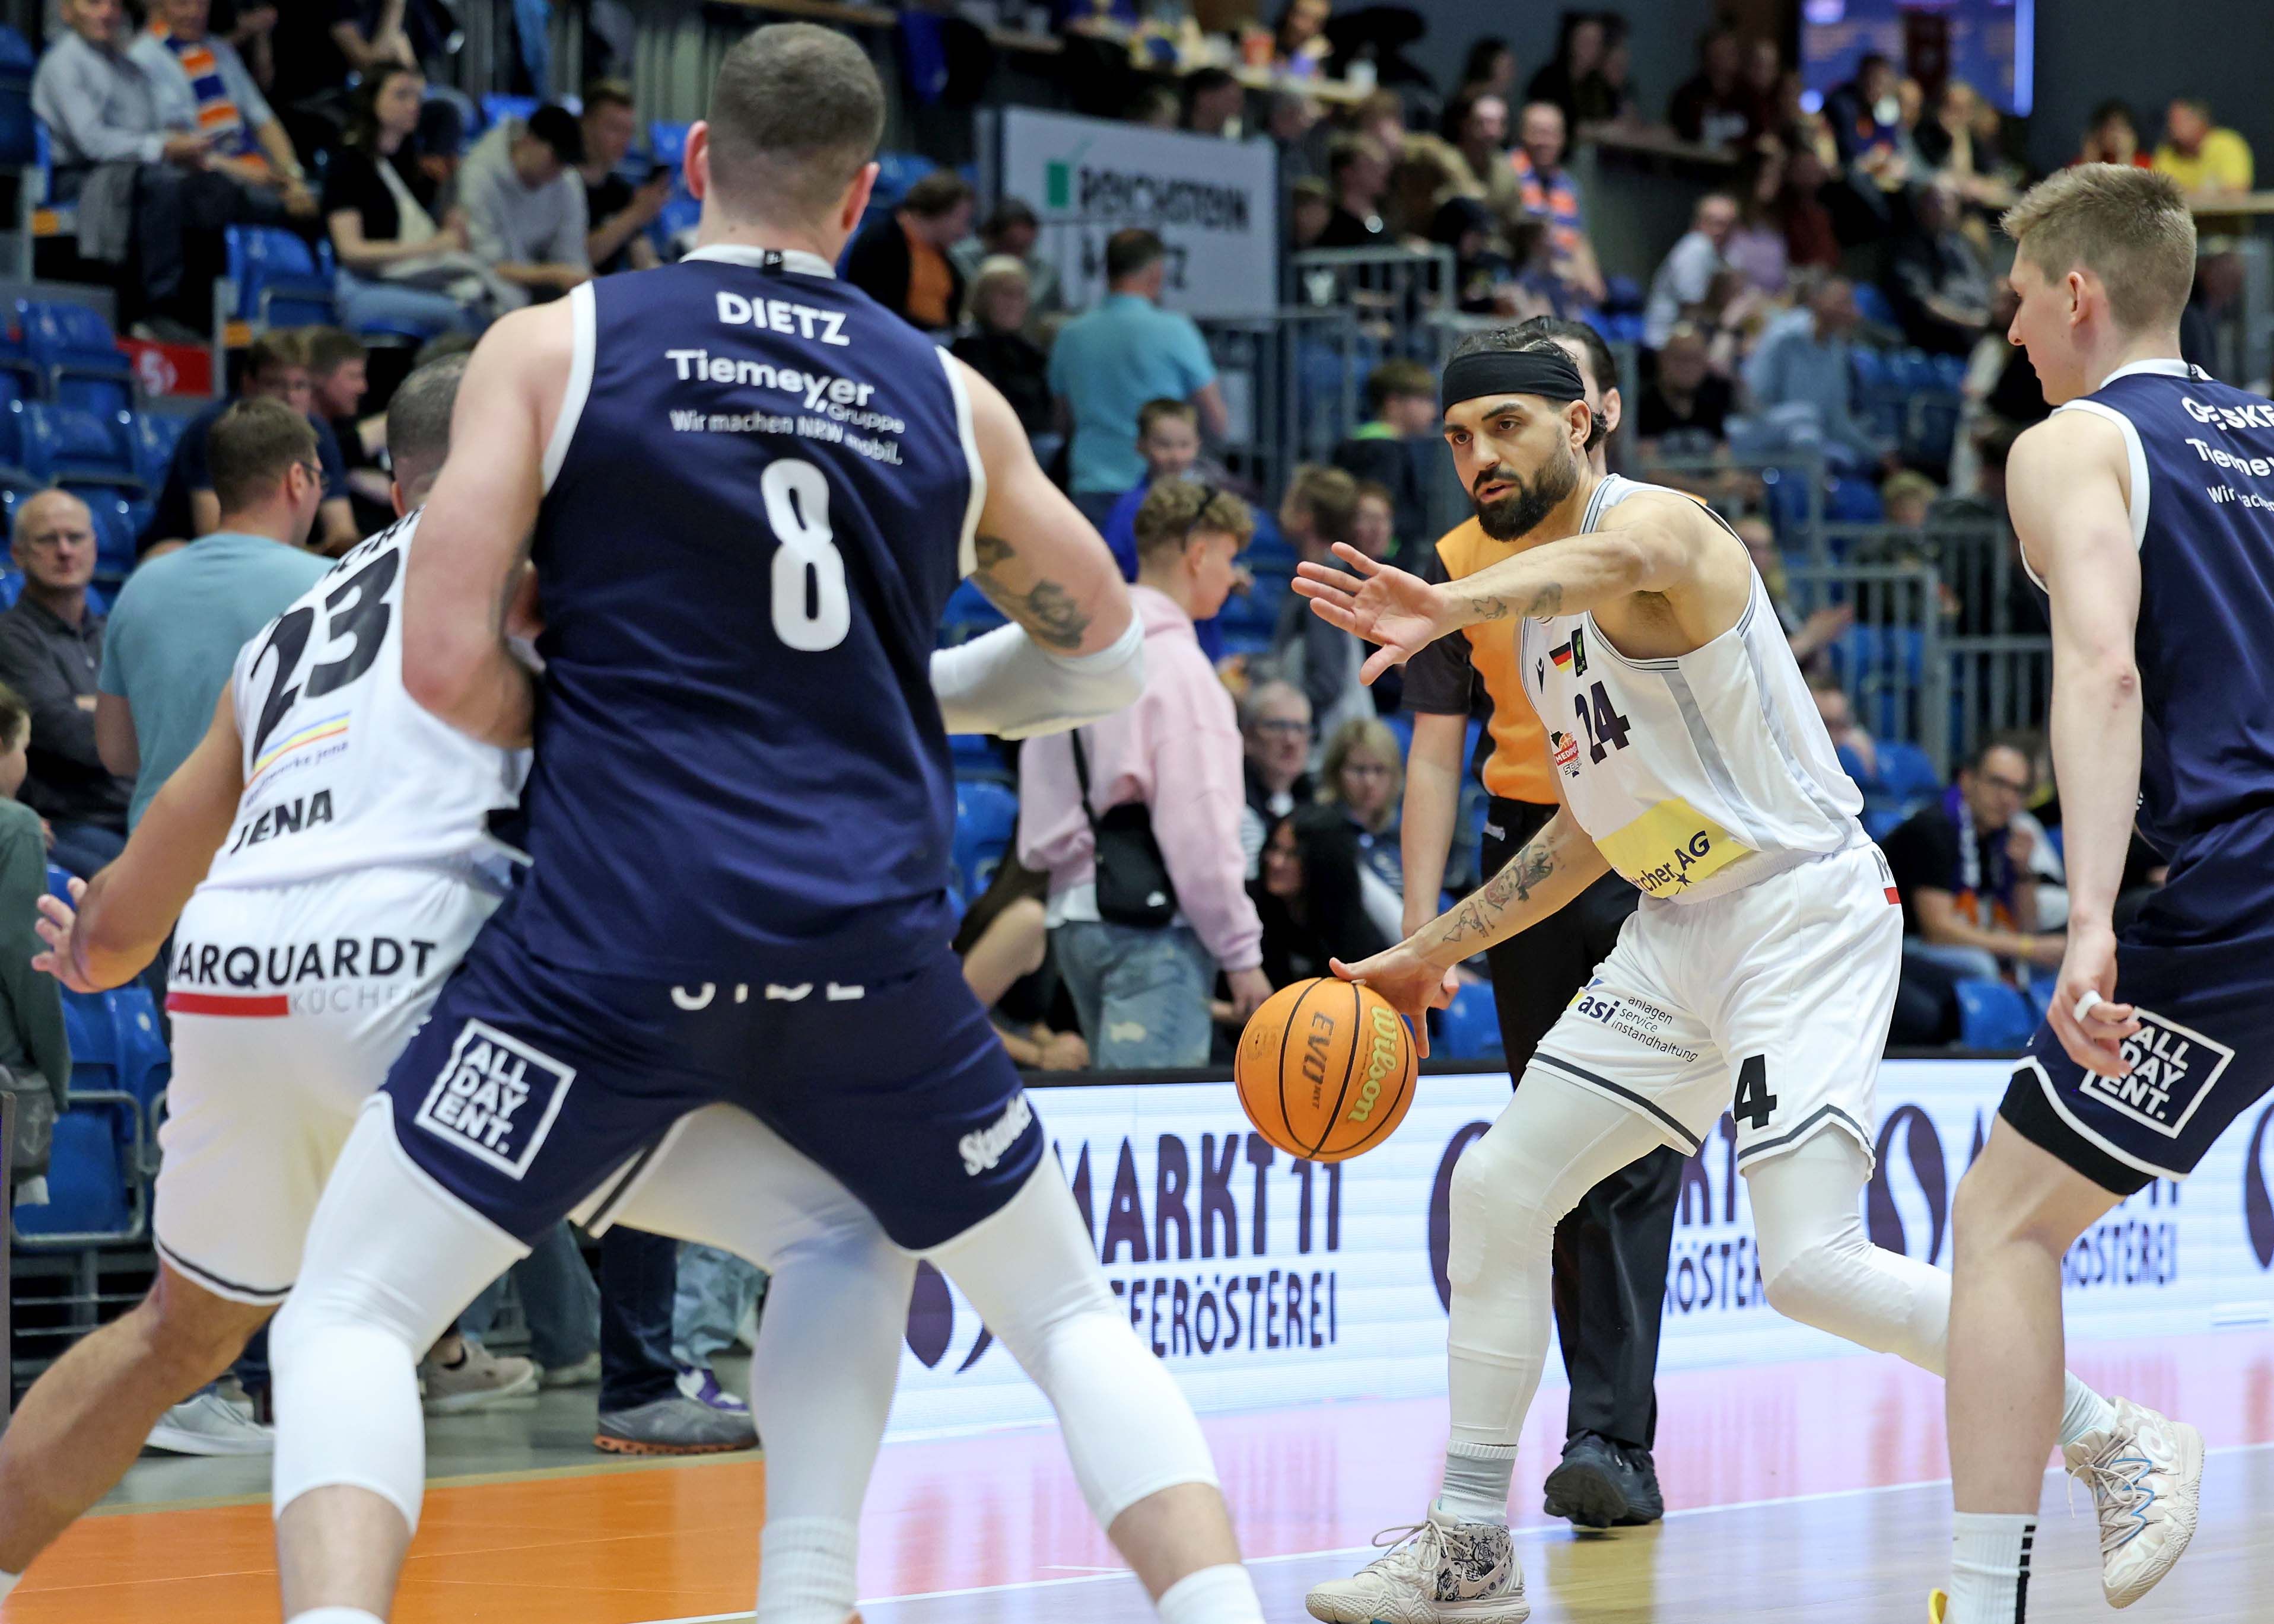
(748, 491)
(2145, 506)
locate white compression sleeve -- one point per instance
(1006, 684)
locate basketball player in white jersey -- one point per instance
(1757, 976)
(326, 852)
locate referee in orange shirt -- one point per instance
(1610, 1257)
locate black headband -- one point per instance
(1548, 373)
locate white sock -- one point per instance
(806, 1570)
(2083, 1411)
(1476, 1482)
(1990, 1568)
(337, 1615)
(1220, 1595)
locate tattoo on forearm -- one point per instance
(1045, 608)
(1481, 916)
(1491, 607)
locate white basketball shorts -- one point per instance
(288, 1004)
(1770, 1002)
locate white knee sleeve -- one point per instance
(1555, 1141)
(1820, 1268)
(1030, 1273)
(391, 1260)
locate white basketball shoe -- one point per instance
(1441, 1572)
(2146, 1476)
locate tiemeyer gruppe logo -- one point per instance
(1198, 1255)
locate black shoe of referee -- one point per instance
(1603, 1483)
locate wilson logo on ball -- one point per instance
(1383, 1058)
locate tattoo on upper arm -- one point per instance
(1521, 876)
(1044, 608)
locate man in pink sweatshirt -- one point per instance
(1143, 993)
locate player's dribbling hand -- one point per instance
(1411, 984)
(55, 925)
(1381, 604)
(2087, 975)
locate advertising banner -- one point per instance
(1262, 1280)
(1215, 204)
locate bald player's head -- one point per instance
(418, 428)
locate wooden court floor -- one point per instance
(1807, 1492)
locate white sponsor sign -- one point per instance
(1260, 1280)
(1215, 203)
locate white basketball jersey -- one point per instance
(1694, 774)
(342, 769)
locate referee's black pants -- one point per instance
(1608, 1267)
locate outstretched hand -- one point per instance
(56, 922)
(1411, 983)
(1383, 604)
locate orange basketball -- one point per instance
(1325, 1069)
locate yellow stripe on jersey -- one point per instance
(331, 727)
(1670, 848)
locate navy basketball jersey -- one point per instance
(762, 489)
(2201, 457)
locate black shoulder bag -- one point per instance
(1133, 882)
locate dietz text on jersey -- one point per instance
(784, 317)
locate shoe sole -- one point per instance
(634, 1446)
(521, 1396)
(1330, 1610)
(2175, 1546)
(1586, 1497)
(169, 1440)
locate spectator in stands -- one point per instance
(1799, 383)
(1364, 775)
(1686, 275)
(1214, 101)
(276, 368)
(1906, 496)
(1012, 231)
(1961, 144)
(1374, 520)
(1297, 131)
(1714, 107)
(399, 266)
(2205, 159)
(1299, 44)
(180, 620)
(1141, 987)
(1616, 77)
(1310, 207)
(1763, 86)
(1169, 441)
(1850, 737)
(902, 260)
(1811, 239)
(1359, 175)
(2112, 136)
(713, 1293)
(202, 85)
(50, 656)
(1490, 69)
(617, 213)
(1275, 728)
(1310, 896)
(128, 153)
(1157, 107)
(1809, 635)
(994, 342)
(35, 1058)
(1684, 410)
(1107, 363)
(525, 207)
(1395, 448)
(1318, 511)
(339, 377)
(1551, 193)
(1477, 125)
(1970, 905)
(1757, 247)
(1572, 81)
(1484, 278)
(1865, 116)
(1937, 280)
(1004, 941)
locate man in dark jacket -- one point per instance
(902, 260)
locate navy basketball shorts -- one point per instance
(2204, 1055)
(532, 1087)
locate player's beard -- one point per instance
(1520, 513)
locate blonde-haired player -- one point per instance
(2145, 506)
(1756, 977)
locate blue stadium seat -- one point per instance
(896, 172)
(1869, 368)
(1469, 1028)
(93, 1034)
(1873, 306)
(152, 436)
(11, 587)
(1853, 501)
(2043, 984)
(1881, 819)
(1401, 724)
(146, 1065)
(91, 1180)
(1993, 1015)
(974, 760)
(669, 142)
(279, 282)
(497, 109)
(115, 531)
(986, 821)
(1906, 772)
(966, 615)
(75, 349)
(27, 443)
(91, 446)
(1247, 641)
(19, 128)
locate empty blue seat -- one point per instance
(1993, 1015)
(145, 1065)
(1854, 501)
(986, 821)
(667, 142)
(280, 281)
(1870, 367)
(11, 587)
(496, 108)
(75, 349)
(1874, 306)
(1881, 819)
(94, 1037)
(90, 1179)
(1906, 772)
(27, 442)
(1469, 1028)
(152, 436)
(973, 759)
(89, 446)
(59, 887)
